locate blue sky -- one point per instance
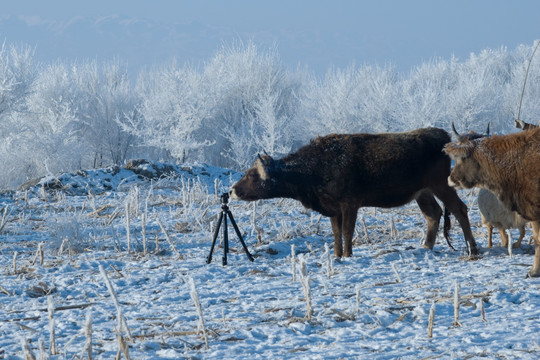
(315, 33)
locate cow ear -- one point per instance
(266, 159)
(264, 164)
(459, 150)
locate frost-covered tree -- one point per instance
(362, 99)
(255, 100)
(17, 75)
(334, 104)
(172, 108)
(424, 92)
(530, 106)
(106, 98)
(477, 94)
(241, 102)
(51, 135)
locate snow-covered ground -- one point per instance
(375, 304)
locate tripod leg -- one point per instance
(216, 232)
(225, 240)
(239, 235)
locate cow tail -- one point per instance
(446, 227)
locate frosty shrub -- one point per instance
(69, 233)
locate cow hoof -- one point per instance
(533, 273)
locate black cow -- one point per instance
(339, 173)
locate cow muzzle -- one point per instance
(233, 194)
(453, 183)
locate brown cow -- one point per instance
(337, 174)
(494, 214)
(508, 166)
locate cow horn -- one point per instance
(459, 137)
(487, 131)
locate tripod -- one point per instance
(223, 218)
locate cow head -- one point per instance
(470, 136)
(520, 124)
(258, 182)
(467, 172)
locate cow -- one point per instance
(495, 215)
(337, 174)
(508, 166)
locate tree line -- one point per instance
(64, 116)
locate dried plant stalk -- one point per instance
(3, 221)
(42, 351)
(168, 238)
(88, 334)
(144, 217)
(431, 320)
(307, 294)
(357, 299)
(510, 241)
(456, 304)
(128, 231)
(195, 298)
(28, 354)
(121, 319)
(293, 263)
(50, 311)
(398, 278)
(44, 193)
(303, 267)
(39, 254)
(329, 261)
(15, 254)
(366, 235)
(393, 230)
(482, 310)
(122, 346)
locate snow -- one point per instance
(251, 309)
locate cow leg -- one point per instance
(517, 245)
(504, 238)
(457, 207)
(336, 222)
(349, 222)
(432, 213)
(490, 235)
(535, 270)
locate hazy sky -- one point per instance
(316, 33)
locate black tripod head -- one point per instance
(225, 198)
